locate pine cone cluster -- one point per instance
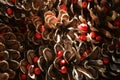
(59, 39)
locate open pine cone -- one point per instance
(10, 49)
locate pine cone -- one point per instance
(9, 53)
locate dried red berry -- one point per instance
(37, 71)
(23, 76)
(83, 27)
(105, 60)
(38, 35)
(93, 34)
(60, 54)
(84, 4)
(63, 70)
(62, 62)
(63, 7)
(82, 37)
(35, 59)
(98, 38)
(9, 11)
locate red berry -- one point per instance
(98, 38)
(23, 76)
(37, 71)
(63, 7)
(116, 23)
(60, 54)
(28, 66)
(9, 11)
(74, 1)
(105, 60)
(82, 37)
(93, 34)
(13, 1)
(35, 59)
(88, 51)
(83, 57)
(62, 62)
(84, 4)
(63, 70)
(83, 27)
(42, 29)
(38, 35)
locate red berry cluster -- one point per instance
(82, 37)
(63, 68)
(83, 28)
(95, 36)
(36, 71)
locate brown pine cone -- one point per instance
(9, 53)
